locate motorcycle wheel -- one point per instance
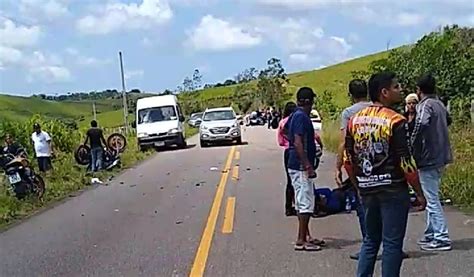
(117, 142)
(39, 187)
(82, 155)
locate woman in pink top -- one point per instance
(283, 142)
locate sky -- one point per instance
(61, 46)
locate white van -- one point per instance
(159, 122)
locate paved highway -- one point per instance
(206, 212)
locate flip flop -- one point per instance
(307, 247)
(317, 242)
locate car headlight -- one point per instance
(173, 131)
(142, 135)
(204, 127)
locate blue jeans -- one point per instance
(436, 226)
(386, 216)
(96, 159)
(361, 215)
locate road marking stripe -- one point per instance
(228, 225)
(200, 260)
(235, 173)
(237, 155)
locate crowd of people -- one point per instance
(385, 155)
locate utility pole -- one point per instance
(124, 95)
(388, 44)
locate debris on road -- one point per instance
(200, 184)
(121, 182)
(156, 212)
(143, 194)
(469, 222)
(213, 168)
(132, 186)
(96, 181)
(168, 173)
(161, 187)
(82, 214)
(225, 171)
(248, 169)
(179, 221)
(116, 210)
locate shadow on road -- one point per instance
(168, 149)
(336, 243)
(463, 244)
(223, 144)
(420, 254)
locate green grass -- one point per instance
(23, 108)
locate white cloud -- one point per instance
(15, 35)
(146, 42)
(353, 38)
(218, 34)
(116, 17)
(133, 74)
(86, 61)
(409, 19)
(48, 8)
(9, 56)
(299, 58)
(301, 40)
(46, 68)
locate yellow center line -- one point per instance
(200, 260)
(228, 225)
(237, 155)
(235, 173)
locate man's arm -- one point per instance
(349, 148)
(407, 162)
(340, 150)
(301, 153)
(103, 139)
(87, 138)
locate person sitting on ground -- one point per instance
(12, 147)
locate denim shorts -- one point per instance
(304, 191)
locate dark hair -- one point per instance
(379, 81)
(358, 88)
(289, 109)
(93, 123)
(427, 84)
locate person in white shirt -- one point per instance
(43, 148)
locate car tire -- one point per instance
(142, 148)
(182, 142)
(203, 144)
(239, 140)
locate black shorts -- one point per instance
(44, 164)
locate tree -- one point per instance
(188, 84)
(197, 80)
(135, 90)
(167, 92)
(272, 83)
(247, 75)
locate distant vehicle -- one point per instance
(159, 122)
(195, 119)
(219, 125)
(256, 118)
(316, 120)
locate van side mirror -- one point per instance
(134, 124)
(181, 118)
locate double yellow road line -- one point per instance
(202, 254)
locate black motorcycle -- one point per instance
(21, 176)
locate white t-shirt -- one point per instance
(41, 144)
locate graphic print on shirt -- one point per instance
(371, 130)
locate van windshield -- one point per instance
(157, 114)
(219, 115)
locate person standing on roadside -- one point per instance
(95, 136)
(282, 137)
(358, 92)
(410, 111)
(43, 148)
(301, 162)
(382, 167)
(432, 151)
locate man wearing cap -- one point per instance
(301, 166)
(43, 148)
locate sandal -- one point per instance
(317, 242)
(307, 247)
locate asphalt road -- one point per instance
(214, 212)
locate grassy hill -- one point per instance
(333, 78)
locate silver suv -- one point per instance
(219, 125)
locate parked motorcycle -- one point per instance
(21, 177)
